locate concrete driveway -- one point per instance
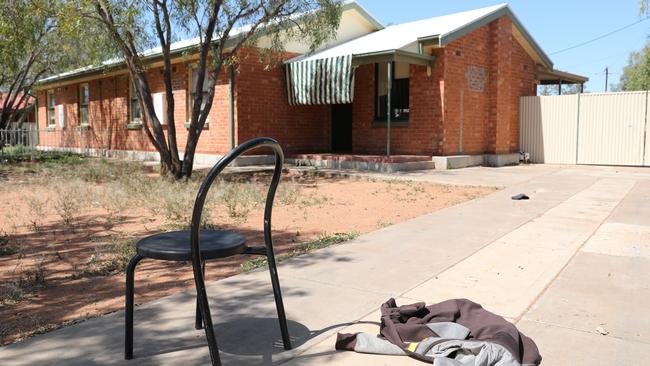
(570, 266)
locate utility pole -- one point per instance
(606, 78)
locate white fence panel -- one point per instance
(611, 128)
(549, 127)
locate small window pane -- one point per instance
(399, 95)
(84, 94)
(83, 115)
(195, 75)
(134, 105)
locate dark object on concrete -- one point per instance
(200, 245)
(520, 196)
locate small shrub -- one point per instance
(5, 246)
(382, 224)
(288, 193)
(37, 210)
(114, 199)
(108, 261)
(240, 198)
(27, 283)
(70, 200)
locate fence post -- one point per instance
(645, 131)
(578, 130)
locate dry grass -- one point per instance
(70, 223)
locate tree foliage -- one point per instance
(636, 75)
(567, 89)
(221, 28)
(37, 39)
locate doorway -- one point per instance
(342, 128)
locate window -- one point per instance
(84, 97)
(193, 75)
(399, 96)
(51, 119)
(134, 105)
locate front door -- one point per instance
(341, 127)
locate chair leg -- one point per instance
(275, 282)
(199, 321)
(202, 298)
(128, 308)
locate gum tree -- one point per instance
(38, 39)
(222, 28)
(636, 74)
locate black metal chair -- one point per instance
(198, 246)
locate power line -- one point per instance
(601, 37)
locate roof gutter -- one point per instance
(96, 70)
(394, 56)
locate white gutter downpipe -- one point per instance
(389, 85)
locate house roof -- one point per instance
(183, 46)
(440, 31)
(17, 105)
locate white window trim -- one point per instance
(50, 110)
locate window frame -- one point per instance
(81, 105)
(380, 119)
(190, 89)
(134, 98)
(51, 109)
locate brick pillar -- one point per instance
(501, 74)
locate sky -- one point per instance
(554, 24)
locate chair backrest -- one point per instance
(211, 177)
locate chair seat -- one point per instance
(175, 245)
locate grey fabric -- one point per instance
(449, 330)
(368, 343)
(470, 353)
(445, 352)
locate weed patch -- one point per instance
(300, 249)
(108, 261)
(5, 246)
(24, 285)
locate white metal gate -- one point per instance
(605, 129)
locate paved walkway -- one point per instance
(573, 259)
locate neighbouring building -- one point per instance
(449, 85)
(25, 109)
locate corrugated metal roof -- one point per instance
(187, 44)
(406, 36)
(17, 105)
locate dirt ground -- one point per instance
(67, 232)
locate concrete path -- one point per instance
(573, 259)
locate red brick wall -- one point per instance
(524, 84)
(419, 137)
(511, 77)
(263, 109)
(490, 117)
(470, 51)
(109, 114)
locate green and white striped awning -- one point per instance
(321, 81)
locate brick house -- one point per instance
(455, 84)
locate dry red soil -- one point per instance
(323, 205)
